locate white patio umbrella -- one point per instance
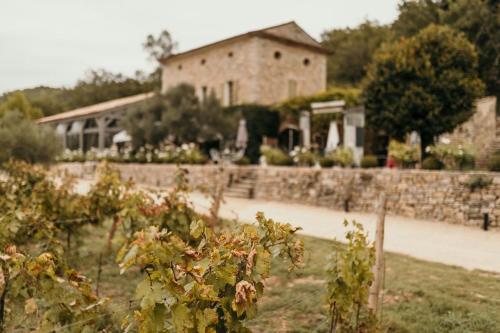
(333, 137)
(121, 136)
(76, 127)
(242, 135)
(61, 129)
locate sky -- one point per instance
(55, 42)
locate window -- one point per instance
(179, 67)
(230, 54)
(360, 136)
(277, 55)
(292, 88)
(204, 91)
(228, 98)
(306, 62)
(203, 61)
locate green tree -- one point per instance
(189, 120)
(479, 20)
(351, 50)
(18, 102)
(426, 83)
(143, 122)
(159, 47)
(22, 139)
(180, 115)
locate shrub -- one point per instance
(275, 156)
(453, 156)
(431, 163)
(349, 279)
(478, 182)
(23, 139)
(403, 154)
(243, 161)
(494, 163)
(303, 156)
(326, 162)
(369, 161)
(343, 157)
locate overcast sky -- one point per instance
(54, 42)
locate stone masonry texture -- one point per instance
(434, 195)
(251, 64)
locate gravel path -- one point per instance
(468, 247)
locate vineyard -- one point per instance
(118, 259)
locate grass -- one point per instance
(419, 296)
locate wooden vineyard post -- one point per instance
(217, 197)
(378, 269)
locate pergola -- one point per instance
(93, 125)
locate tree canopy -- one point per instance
(159, 47)
(18, 102)
(479, 20)
(97, 86)
(426, 83)
(181, 116)
(351, 50)
(22, 139)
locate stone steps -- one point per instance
(242, 187)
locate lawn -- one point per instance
(418, 296)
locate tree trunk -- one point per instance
(425, 141)
(374, 296)
(112, 232)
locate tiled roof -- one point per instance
(96, 108)
(289, 33)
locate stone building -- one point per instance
(92, 126)
(264, 66)
(481, 131)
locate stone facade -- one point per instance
(435, 195)
(264, 67)
(480, 130)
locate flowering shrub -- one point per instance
(184, 154)
(342, 156)
(403, 154)
(275, 156)
(71, 156)
(453, 156)
(303, 156)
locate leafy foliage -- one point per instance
(431, 163)
(17, 101)
(404, 155)
(351, 50)
(22, 139)
(197, 277)
(161, 46)
(349, 280)
(494, 162)
(96, 86)
(453, 156)
(180, 115)
(369, 161)
(261, 121)
(426, 83)
(342, 156)
(477, 19)
(211, 286)
(275, 156)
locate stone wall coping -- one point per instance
(302, 169)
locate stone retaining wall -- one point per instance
(436, 195)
